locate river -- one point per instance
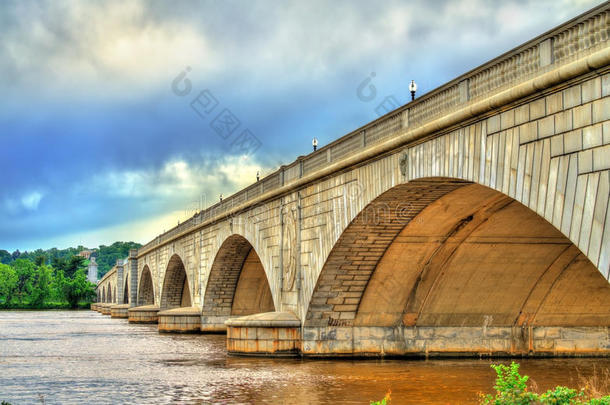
(77, 357)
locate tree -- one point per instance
(25, 271)
(40, 260)
(69, 266)
(75, 289)
(5, 257)
(8, 283)
(41, 288)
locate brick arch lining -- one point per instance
(234, 254)
(353, 259)
(146, 293)
(175, 291)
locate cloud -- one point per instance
(30, 201)
(92, 137)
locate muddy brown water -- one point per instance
(81, 357)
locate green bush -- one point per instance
(511, 389)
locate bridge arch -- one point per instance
(103, 294)
(443, 252)
(126, 291)
(176, 291)
(237, 284)
(146, 292)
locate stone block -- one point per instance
(564, 345)
(544, 345)
(522, 114)
(493, 124)
(585, 161)
(446, 332)
(606, 132)
(591, 90)
(266, 333)
(343, 333)
(572, 141)
(546, 127)
(539, 333)
(572, 97)
(507, 120)
(606, 85)
(347, 315)
(579, 333)
(498, 332)
(528, 132)
(592, 136)
(563, 121)
(500, 345)
(557, 145)
(537, 109)
(582, 116)
(425, 332)
(554, 103)
(601, 110)
(601, 158)
(553, 332)
(288, 334)
(368, 345)
(311, 334)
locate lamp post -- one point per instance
(412, 89)
(258, 176)
(314, 143)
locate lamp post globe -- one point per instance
(412, 89)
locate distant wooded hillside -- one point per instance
(106, 256)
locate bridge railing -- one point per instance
(584, 34)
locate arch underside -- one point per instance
(126, 292)
(146, 294)
(443, 253)
(176, 292)
(237, 285)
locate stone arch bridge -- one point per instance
(473, 221)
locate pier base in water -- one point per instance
(180, 320)
(143, 314)
(266, 334)
(119, 311)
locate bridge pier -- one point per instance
(180, 320)
(119, 311)
(143, 314)
(104, 308)
(214, 323)
(452, 341)
(275, 334)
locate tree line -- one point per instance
(34, 284)
(106, 256)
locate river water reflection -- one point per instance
(75, 357)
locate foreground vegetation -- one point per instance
(26, 284)
(511, 389)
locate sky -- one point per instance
(119, 119)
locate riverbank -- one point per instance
(46, 306)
